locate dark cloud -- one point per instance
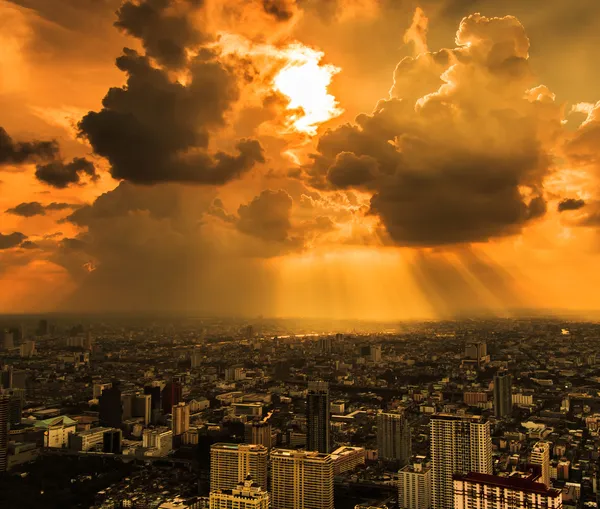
(448, 157)
(10, 240)
(60, 174)
(570, 204)
(34, 208)
(267, 216)
(15, 152)
(28, 209)
(168, 141)
(28, 244)
(282, 10)
(164, 27)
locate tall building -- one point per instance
(502, 395)
(459, 445)
(246, 495)
(27, 349)
(171, 395)
(325, 344)
(258, 432)
(4, 416)
(111, 407)
(375, 353)
(540, 455)
(98, 388)
(484, 491)
(301, 480)
(393, 437)
(180, 418)
(414, 486)
(231, 463)
(7, 340)
(6, 377)
(142, 407)
(317, 417)
(160, 439)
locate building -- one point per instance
(159, 439)
(393, 437)
(246, 495)
(459, 445)
(112, 441)
(301, 480)
(6, 377)
(325, 344)
(259, 433)
(540, 455)
(27, 349)
(234, 374)
(4, 413)
(7, 340)
(375, 353)
(414, 486)
(87, 440)
(180, 418)
(522, 399)
(111, 407)
(231, 463)
(57, 430)
(346, 459)
(474, 398)
(485, 491)
(317, 417)
(142, 407)
(98, 388)
(171, 395)
(502, 395)
(251, 409)
(476, 351)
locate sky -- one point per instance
(348, 159)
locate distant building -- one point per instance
(477, 352)
(171, 395)
(485, 491)
(231, 463)
(325, 344)
(540, 455)
(458, 445)
(88, 440)
(414, 486)
(4, 412)
(142, 407)
(180, 418)
(27, 349)
(393, 437)
(98, 388)
(160, 439)
(301, 480)
(246, 495)
(502, 395)
(259, 433)
(346, 459)
(317, 417)
(57, 430)
(375, 353)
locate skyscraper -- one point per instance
(414, 486)
(459, 445)
(502, 394)
(540, 455)
(246, 495)
(317, 417)
(111, 407)
(142, 407)
(393, 437)
(258, 432)
(231, 463)
(301, 480)
(4, 413)
(171, 395)
(180, 418)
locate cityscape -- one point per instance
(215, 414)
(299, 254)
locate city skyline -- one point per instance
(357, 159)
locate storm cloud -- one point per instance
(20, 152)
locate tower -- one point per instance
(540, 455)
(393, 437)
(459, 445)
(502, 394)
(180, 418)
(301, 480)
(317, 417)
(111, 407)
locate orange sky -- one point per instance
(368, 159)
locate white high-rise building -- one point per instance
(246, 495)
(301, 480)
(180, 418)
(483, 491)
(231, 463)
(540, 455)
(414, 487)
(459, 445)
(393, 437)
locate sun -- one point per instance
(305, 81)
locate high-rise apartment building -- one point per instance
(246, 495)
(502, 395)
(484, 491)
(414, 486)
(393, 437)
(301, 480)
(180, 418)
(142, 407)
(4, 416)
(325, 344)
(171, 395)
(317, 417)
(231, 463)
(258, 432)
(459, 445)
(540, 455)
